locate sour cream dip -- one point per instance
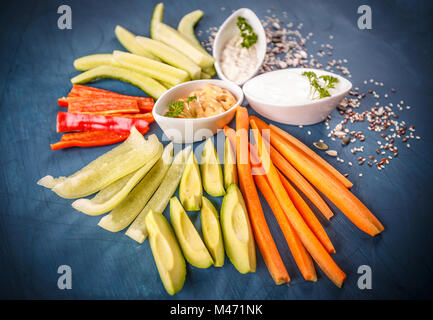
(238, 63)
(283, 88)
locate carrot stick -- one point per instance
(330, 186)
(310, 241)
(307, 214)
(231, 134)
(306, 188)
(261, 124)
(262, 234)
(302, 258)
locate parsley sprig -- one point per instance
(319, 90)
(249, 38)
(175, 108)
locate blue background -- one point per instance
(40, 231)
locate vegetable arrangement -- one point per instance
(154, 64)
(135, 181)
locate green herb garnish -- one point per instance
(249, 38)
(176, 108)
(191, 98)
(321, 91)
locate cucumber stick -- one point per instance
(160, 199)
(145, 83)
(171, 56)
(109, 197)
(130, 207)
(95, 60)
(120, 161)
(127, 39)
(187, 24)
(157, 70)
(174, 39)
(186, 29)
(157, 15)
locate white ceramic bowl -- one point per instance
(182, 130)
(300, 114)
(229, 29)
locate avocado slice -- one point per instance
(166, 252)
(230, 173)
(190, 189)
(212, 235)
(192, 245)
(238, 237)
(211, 170)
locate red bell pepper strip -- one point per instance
(102, 105)
(144, 103)
(85, 122)
(89, 139)
(142, 116)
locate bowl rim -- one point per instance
(231, 84)
(261, 35)
(312, 103)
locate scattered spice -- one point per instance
(331, 153)
(320, 145)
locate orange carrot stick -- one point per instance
(307, 214)
(306, 150)
(310, 241)
(302, 258)
(304, 186)
(331, 187)
(231, 134)
(261, 231)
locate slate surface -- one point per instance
(40, 231)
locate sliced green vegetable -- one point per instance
(128, 157)
(230, 172)
(157, 70)
(159, 200)
(157, 15)
(190, 189)
(171, 56)
(166, 252)
(205, 75)
(127, 39)
(186, 29)
(193, 248)
(174, 39)
(109, 197)
(147, 84)
(130, 207)
(186, 26)
(237, 232)
(94, 60)
(212, 234)
(211, 170)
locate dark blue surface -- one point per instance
(40, 231)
